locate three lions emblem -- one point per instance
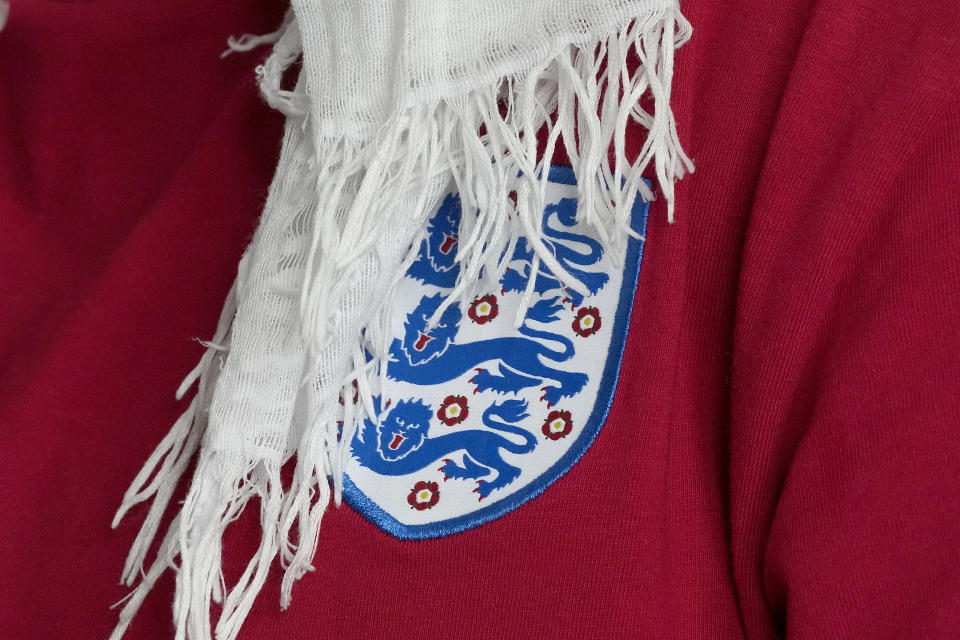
(478, 415)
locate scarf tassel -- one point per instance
(340, 274)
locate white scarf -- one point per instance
(394, 101)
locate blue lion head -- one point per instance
(403, 429)
(421, 345)
(566, 211)
(515, 279)
(435, 264)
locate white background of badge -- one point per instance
(456, 496)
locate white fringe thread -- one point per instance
(594, 96)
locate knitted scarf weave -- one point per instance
(395, 101)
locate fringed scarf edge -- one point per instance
(486, 142)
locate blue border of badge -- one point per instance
(601, 408)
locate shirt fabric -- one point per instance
(781, 455)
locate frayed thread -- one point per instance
(287, 49)
(160, 475)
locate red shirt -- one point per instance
(781, 457)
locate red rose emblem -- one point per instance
(587, 321)
(425, 495)
(483, 310)
(453, 410)
(557, 425)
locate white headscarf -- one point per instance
(394, 101)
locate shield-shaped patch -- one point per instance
(477, 415)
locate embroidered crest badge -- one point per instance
(479, 415)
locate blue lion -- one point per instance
(429, 357)
(399, 445)
(435, 264)
(557, 240)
